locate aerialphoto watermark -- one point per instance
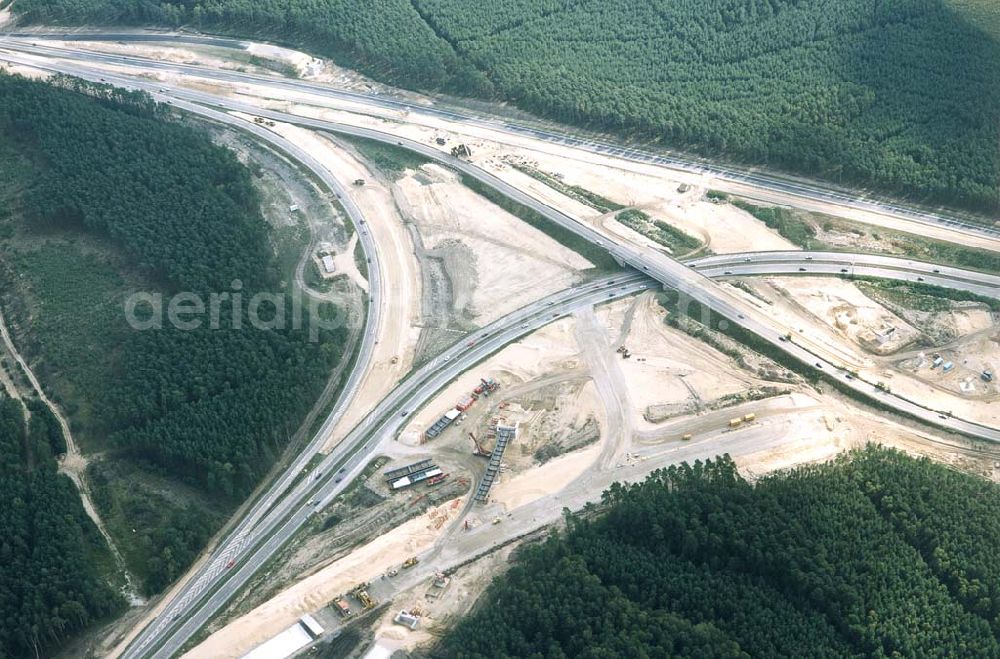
(232, 310)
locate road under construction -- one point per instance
(285, 506)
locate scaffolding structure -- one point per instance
(504, 435)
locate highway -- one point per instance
(238, 537)
(847, 264)
(273, 529)
(360, 446)
(28, 42)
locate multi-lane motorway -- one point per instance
(29, 42)
(849, 265)
(275, 518)
(181, 620)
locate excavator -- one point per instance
(479, 450)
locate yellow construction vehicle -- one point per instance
(749, 417)
(366, 600)
(686, 437)
(410, 562)
(735, 423)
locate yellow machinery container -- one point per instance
(686, 437)
(749, 417)
(735, 423)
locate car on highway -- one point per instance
(728, 272)
(809, 258)
(920, 278)
(936, 270)
(741, 316)
(819, 365)
(748, 259)
(470, 344)
(802, 269)
(403, 413)
(447, 358)
(843, 269)
(231, 563)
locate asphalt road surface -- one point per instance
(351, 455)
(29, 42)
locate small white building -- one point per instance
(406, 619)
(328, 264)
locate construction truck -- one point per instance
(735, 423)
(410, 562)
(359, 182)
(749, 417)
(342, 607)
(686, 437)
(461, 151)
(367, 602)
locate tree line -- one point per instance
(52, 557)
(209, 408)
(873, 554)
(902, 94)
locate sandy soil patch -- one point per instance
(855, 316)
(723, 227)
(544, 480)
(513, 263)
(345, 264)
(668, 368)
(363, 564)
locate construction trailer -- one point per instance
(749, 417)
(415, 478)
(505, 434)
(312, 627)
(735, 423)
(394, 474)
(442, 423)
(948, 366)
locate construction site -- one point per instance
(605, 390)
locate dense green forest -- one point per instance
(52, 558)
(108, 196)
(901, 94)
(874, 554)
